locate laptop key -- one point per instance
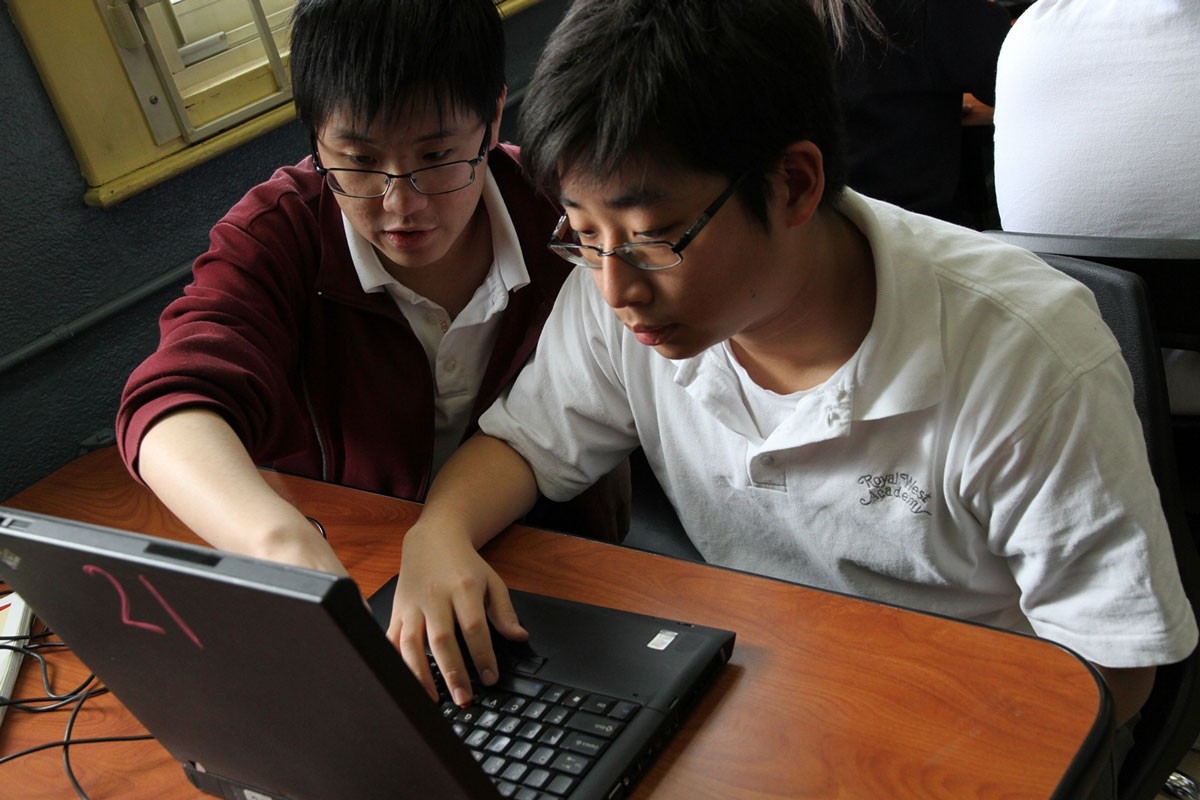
(520, 749)
(561, 785)
(556, 715)
(542, 756)
(535, 710)
(514, 771)
(530, 730)
(537, 778)
(583, 743)
(555, 694)
(623, 710)
(571, 763)
(519, 685)
(597, 704)
(551, 736)
(594, 724)
(498, 745)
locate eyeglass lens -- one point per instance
(651, 255)
(430, 180)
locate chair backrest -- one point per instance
(653, 524)
(1169, 267)
(1170, 719)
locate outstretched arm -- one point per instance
(197, 466)
(444, 583)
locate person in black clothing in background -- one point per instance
(902, 69)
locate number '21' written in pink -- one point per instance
(127, 606)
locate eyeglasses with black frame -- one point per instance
(652, 255)
(371, 183)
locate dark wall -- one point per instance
(61, 260)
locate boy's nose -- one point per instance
(620, 283)
(402, 197)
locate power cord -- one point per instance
(31, 647)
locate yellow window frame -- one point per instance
(72, 46)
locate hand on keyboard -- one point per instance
(445, 587)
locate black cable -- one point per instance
(53, 701)
(66, 748)
(81, 696)
(59, 743)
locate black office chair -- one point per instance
(1170, 269)
(1170, 719)
(653, 524)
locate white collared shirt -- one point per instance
(458, 350)
(979, 456)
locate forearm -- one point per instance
(197, 466)
(482, 489)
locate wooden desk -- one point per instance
(826, 696)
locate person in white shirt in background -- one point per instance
(1097, 123)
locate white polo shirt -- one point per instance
(458, 350)
(979, 456)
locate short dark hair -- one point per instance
(373, 58)
(720, 86)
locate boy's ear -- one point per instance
(802, 169)
(497, 117)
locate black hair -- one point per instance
(375, 59)
(720, 86)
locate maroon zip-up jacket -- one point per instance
(319, 378)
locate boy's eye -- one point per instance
(438, 156)
(653, 234)
(359, 160)
(588, 236)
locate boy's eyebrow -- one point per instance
(357, 136)
(635, 197)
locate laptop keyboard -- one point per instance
(535, 740)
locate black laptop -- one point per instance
(269, 682)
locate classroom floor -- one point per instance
(1191, 766)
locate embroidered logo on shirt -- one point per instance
(899, 485)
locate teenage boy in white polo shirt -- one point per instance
(830, 389)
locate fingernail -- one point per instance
(488, 676)
(462, 697)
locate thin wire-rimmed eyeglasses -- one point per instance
(438, 179)
(653, 255)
